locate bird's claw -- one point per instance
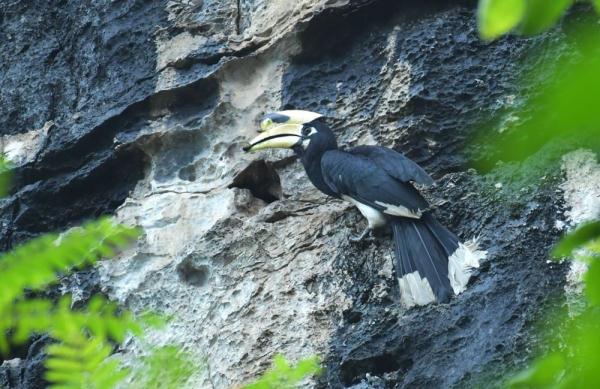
(365, 236)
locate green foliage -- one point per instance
(570, 364)
(575, 358)
(563, 112)
(542, 374)
(499, 17)
(51, 254)
(542, 14)
(35, 264)
(82, 362)
(584, 235)
(166, 368)
(566, 110)
(592, 281)
(5, 167)
(284, 376)
(78, 359)
(84, 338)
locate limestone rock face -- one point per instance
(139, 108)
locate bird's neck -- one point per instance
(311, 160)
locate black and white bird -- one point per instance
(430, 262)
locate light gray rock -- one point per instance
(150, 103)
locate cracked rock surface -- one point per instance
(139, 109)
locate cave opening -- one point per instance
(193, 275)
(261, 178)
(353, 371)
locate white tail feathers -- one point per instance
(415, 290)
(462, 262)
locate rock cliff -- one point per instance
(139, 108)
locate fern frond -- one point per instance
(81, 356)
(85, 338)
(101, 322)
(284, 376)
(35, 264)
(166, 368)
(82, 363)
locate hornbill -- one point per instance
(430, 262)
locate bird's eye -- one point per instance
(265, 124)
(306, 131)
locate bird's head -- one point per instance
(293, 129)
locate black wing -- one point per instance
(365, 181)
(394, 163)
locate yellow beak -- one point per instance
(283, 136)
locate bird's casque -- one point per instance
(430, 262)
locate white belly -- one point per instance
(373, 216)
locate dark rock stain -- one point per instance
(454, 82)
(93, 72)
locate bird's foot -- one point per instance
(365, 236)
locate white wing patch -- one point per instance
(415, 290)
(373, 216)
(461, 264)
(399, 210)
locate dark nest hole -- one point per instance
(261, 178)
(192, 274)
(353, 371)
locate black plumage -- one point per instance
(376, 175)
(430, 263)
(367, 181)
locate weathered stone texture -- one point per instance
(138, 109)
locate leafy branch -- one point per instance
(565, 112)
(78, 359)
(166, 368)
(84, 338)
(285, 376)
(575, 356)
(499, 17)
(35, 264)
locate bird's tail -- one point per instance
(431, 264)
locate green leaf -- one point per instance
(62, 365)
(152, 320)
(5, 175)
(284, 376)
(596, 5)
(62, 350)
(64, 378)
(560, 111)
(592, 283)
(541, 375)
(85, 338)
(542, 14)
(585, 234)
(109, 374)
(498, 17)
(51, 254)
(166, 368)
